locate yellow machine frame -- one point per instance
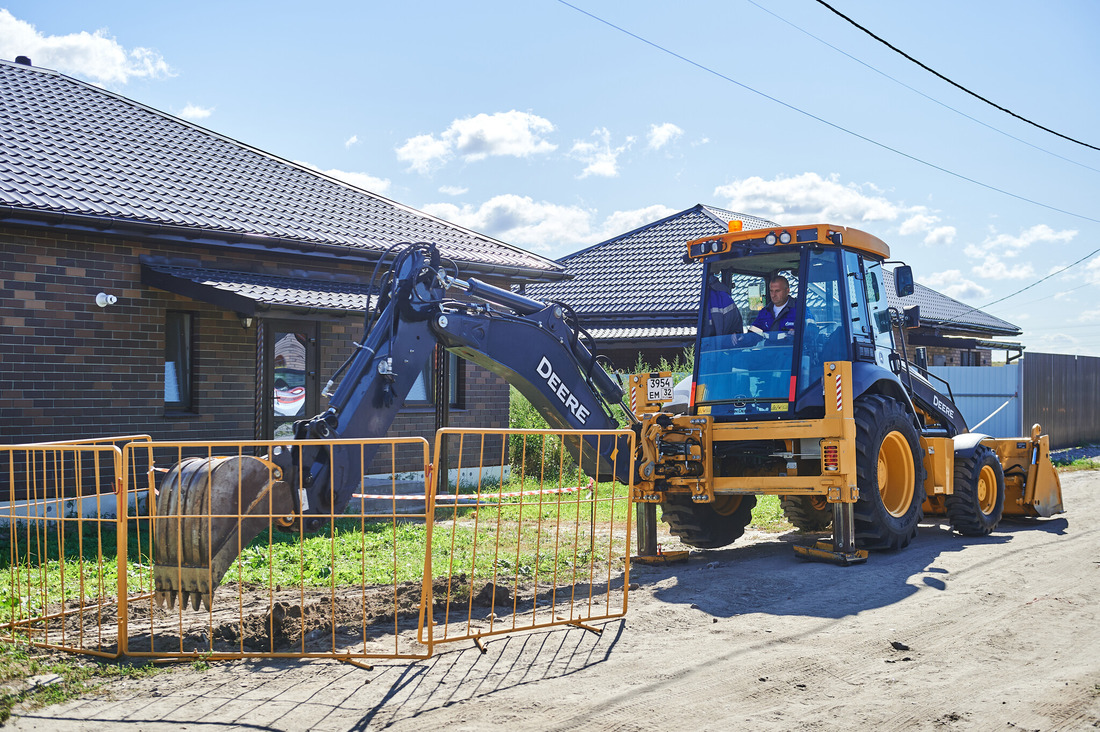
(1032, 487)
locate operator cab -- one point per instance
(757, 367)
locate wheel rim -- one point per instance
(896, 474)
(987, 489)
(726, 505)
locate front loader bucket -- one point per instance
(208, 509)
(1032, 487)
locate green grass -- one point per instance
(79, 675)
(1079, 464)
(768, 516)
(48, 562)
(551, 535)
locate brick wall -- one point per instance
(72, 370)
(954, 357)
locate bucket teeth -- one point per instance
(165, 599)
(193, 593)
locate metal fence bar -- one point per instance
(535, 549)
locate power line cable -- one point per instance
(932, 71)
(1091, 254)
(824, 121)
(919, 92)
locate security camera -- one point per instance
(103, 299)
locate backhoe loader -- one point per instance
(827, 413)
(821, 408)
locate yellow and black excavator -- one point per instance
(814, 402)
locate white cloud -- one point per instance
(194, 111)
(542, 226)
(598, 156)
(996, 248)
(351, 141)
(952, 283)
(1092, 271)
(809, 197)
(994, 268)
(922, 222)
(516, 134)
(359, 180)
(94, 56)
(452, 190)
(424, 153)
(661, 135)
(1011, 246)
(1088, 316)
(940, 235)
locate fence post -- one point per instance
(122, 501)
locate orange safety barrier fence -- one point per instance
(59, 546)
(530, 542)
(351, 590)
(516, 536)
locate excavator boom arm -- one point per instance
(532, 345)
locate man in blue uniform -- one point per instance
(781, 312)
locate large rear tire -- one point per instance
(807, 513)
(889, 474)
(978, 500)
(707, 525)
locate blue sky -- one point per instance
(542, 126)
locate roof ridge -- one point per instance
(651, 224)
(39, 69)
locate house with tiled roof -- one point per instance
(162, 279)
(637, 297)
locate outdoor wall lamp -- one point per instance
(103, 299)
(246, 321)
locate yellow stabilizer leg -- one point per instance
(842, 549)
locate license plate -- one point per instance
(659, 389)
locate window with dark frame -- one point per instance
(178, 392)
(420, 395)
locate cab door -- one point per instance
(859, 320)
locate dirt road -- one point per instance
(999, 633)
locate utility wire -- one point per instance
(932, 71)
(824, 121)
(919, 92)
(1055, 273)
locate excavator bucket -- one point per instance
(1032, 487)
(208, 509)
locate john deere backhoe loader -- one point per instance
(822, 408)
(826, 413)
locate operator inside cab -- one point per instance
(780, 312)
(724, 326)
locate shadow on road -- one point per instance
(514, 661)
(767, 577)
